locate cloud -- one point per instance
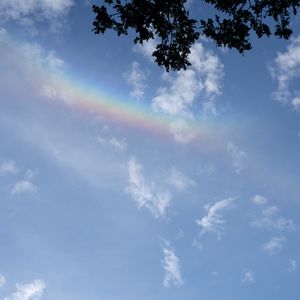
(71, 151)
(116, 144)
(284, 70)
(23, 186)
(145, 193)
(202, 79)
(171, 267)
(181, 131)
(179, 180)
(180, 95)
(274, 245)
(136, 78)
(29, 291)
(197, 244)
(29, 12)
(8, 167)
(213, 222)
(2, 281)
(180, 234)
(31, 174)
(3, 34)
(248, 277)
(293, 265)
(271, 220)
(238, 157)
(258, 199)
(35, 65)
(295, 102)
(146, 49)
(36, 54)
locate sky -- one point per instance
(121, 181)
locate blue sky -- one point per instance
(195, 196)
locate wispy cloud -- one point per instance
(274, 245)
(146, 49)
(28, 291)
(171, 266)
(248, 277)
(2, 281)
(136, 78)
(66, 150)
(238, 157)
(180, 181)
(258, 199)
(23, 186)
(36, 54)
(25, 58)
(293, 265)
(8, 167)
(30, 174)
(213, 222)
(181, 131)
(28, 12)
(116, 144)
(271, 220)
(144, 193)
(182, 90)
(284, 70)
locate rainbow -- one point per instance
(69, 90)
(211, 135)
(117, 109)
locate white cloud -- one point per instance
(67, 150)
(285, 69)
(295, 102)
(258, 199)
(3, 33)
(181, 94)
(270, 219)
(179, 180)
(293, 265)
(23, 186)
(171, 267)
(136, 78)
(35, 54)
(2, 281)
(197, 244)
(248, 277)
(238, 157)
(37, 67)
(146, 49)
(30, 57)
(118, 145)
(8, 167)
(202, 78)
(181, 131)
(180, 234)
(145, 194)
(29, 291)
(29, 12)
(213, 222)
(274, 245)
(206, 169)
(31, 174)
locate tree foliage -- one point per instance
(169, 22)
